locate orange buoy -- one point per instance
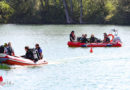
(91, 50)
(1, 79)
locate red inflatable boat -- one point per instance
(12, 60)
(78, 44)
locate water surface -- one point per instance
(68, 68)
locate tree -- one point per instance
(68, 18)
(65, 11)
(6, 11)
(71, 7)
(81, 11)
(46, 3)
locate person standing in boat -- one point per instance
(106, 38)
(72, 36)
(40, 55)
(10, 49)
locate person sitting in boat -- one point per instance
(29, 54)
(40, 55)
(5, 48)
(72, 36)
(2, 49)
(116, 39)
(99, 40)
(10, 49)
(93, 39)
(84, 39)
(79, 38)
(106, 38)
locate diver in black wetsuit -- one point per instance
(29, 54)
(93, 39)
(84, 39)
(106, 38)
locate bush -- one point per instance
(5, 12)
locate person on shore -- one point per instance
(40, 55)
(106, 38)
(10, 49)
(72, 36)
(84, 39)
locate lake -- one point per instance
(68, 68)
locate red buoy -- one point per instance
(91, 50)
(1, 79)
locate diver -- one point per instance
(117, 39)
(72, 36)
(29, 54)
(40, 55)
(79, 38)
(10, 49)
(5, 48)
(106, 38)
(2, 49)
(84, 39)
(93, 39)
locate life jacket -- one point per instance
(2, 49)
(36, 55)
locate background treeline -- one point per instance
(65, 11)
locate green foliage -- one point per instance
(5, 12)
(111, 10)
(53, 15)
(52, 11)
(35, 12)
(95, 11)
(123, 13)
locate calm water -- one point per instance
(68, 68)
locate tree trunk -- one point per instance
(81, 12)
(46, 3)
(68, 19)
(71, 7)
(54, 2)
(60, 2)
(42, 4)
